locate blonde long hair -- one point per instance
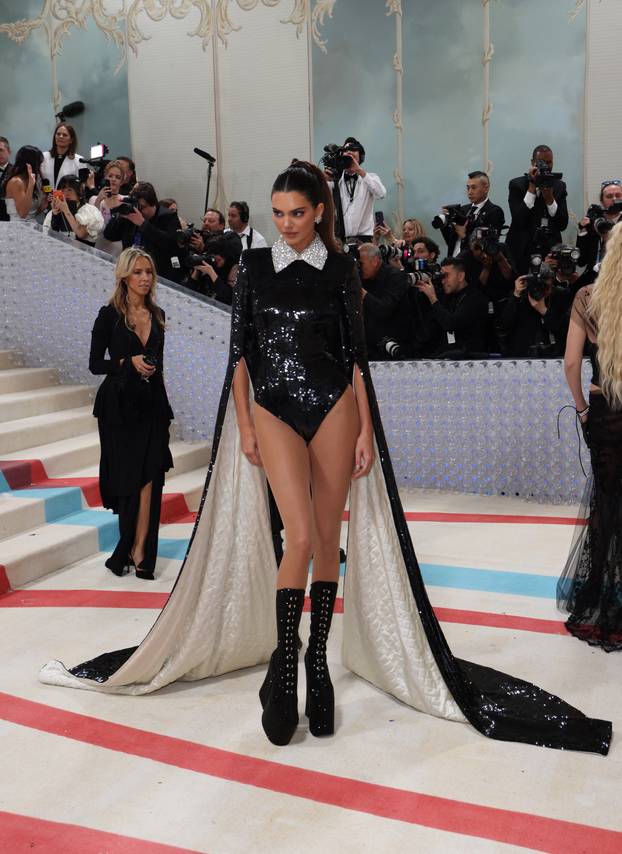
(124, 268)
(606, 309)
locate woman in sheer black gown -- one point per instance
(298, 349)
(132, 411)
(590, 587)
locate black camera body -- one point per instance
(336, 158)
(194, 259)
(598, 219)
(184, 235)
(128, 205)
(567, 258)
(488, 238)
(544, 177)
(544, 238)
(454, 216)
(537, 278)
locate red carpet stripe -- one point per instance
(5, 585)
(25, 833)
(488, 518)
(151, 599)
(507, 826)
(473, 518)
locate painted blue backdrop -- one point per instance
(536, 89)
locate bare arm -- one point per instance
(21, 195)
(364, 451)
(573, 360)
(241, 398)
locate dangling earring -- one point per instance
(318, 220)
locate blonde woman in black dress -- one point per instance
(132, 411)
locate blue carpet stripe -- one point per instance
(63, 506)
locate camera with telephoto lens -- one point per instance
(598, 219)
(195, 260)
(424, 271)
(567, 258)
(488, 239)
(454, 216)
(544, 177)
(336, 158)
(128, 205)
(537, 278)
(388, 252)
(183, 236)
(391, 347)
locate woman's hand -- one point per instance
(363, 455)
(141, 367)
(32, 178)
(250, 448)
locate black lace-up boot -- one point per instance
(278, 694)
(320, 708)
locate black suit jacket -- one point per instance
(157, 238)
(385, 307)
(526, 221)
(489, 215)
(463, 315)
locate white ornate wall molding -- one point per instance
(487, 55)
(394, 7)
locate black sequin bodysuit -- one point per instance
(297, 347)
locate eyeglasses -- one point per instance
(616, 181)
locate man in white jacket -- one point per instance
(358, 190)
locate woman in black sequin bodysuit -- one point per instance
(309, 427)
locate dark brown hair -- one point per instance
(308, 180)
(72, 145)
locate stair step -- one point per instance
(25, 509)
(50, 427)
(10, 359)
(190, 485)
(187, 456)
(29, 556)
(25, 404)
(24, 379)
(60, 458)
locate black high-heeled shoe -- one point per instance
(279, 692)
(116, 569)
(141, 572)
(320, 704)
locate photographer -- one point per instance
(457, 222)
(534, 321)
(140, 221)
(538, 207)
(358, 189)
(214, 273)
(490, 269)
(238, 217)
(595, 227)
(385, 301)
(70, 213)
(462, 316)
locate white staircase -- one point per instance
(49, 456)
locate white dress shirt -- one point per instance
(258, 241)
(358, 212)
(530, 200)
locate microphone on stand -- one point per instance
(205, 155)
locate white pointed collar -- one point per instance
(283, 255)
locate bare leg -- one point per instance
(142, 524)
(285, 459)
(332, 462)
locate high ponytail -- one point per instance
(309, 180)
